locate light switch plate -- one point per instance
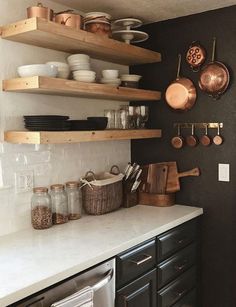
(223, 172)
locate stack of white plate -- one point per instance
(79, 62)
(110, 77)
(84, 76)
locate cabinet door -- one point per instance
(188, 300)
(139, 293)
(135, 262)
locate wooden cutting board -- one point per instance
(157, 178)
(173, 183)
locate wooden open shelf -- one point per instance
(63, 87)
(51, 137)
(48, 34)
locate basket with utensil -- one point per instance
(102, 192)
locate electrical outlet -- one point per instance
(24, 181)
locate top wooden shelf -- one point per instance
(42, 33)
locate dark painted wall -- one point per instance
(217, 198)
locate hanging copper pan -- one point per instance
(214, 77)
(181, 93)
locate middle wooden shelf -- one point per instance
(63, 87)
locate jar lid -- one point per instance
(40, 190)
(97, 21)
(97, 15)
(72, 184)
(57, 187)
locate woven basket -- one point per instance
(102, 199)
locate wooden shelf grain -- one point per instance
(42, 33)
(51, 137)
(63, 87)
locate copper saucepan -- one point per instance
(181, 93)
(214, 77)
(40, 11)
(69, 18)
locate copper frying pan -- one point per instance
(214, 77)
(181, 93)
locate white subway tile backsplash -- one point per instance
(50, 163)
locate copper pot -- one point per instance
(196, 56)
(214, 77)
(40, 11)
(69, 18)
(181, 93)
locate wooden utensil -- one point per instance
(152, 178)
(192, 140)
(218, 139)
(173, 184)
(205, 140)
(177, 141)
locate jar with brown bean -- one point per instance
(41, 209)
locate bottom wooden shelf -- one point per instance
(51, 137)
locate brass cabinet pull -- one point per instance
(180, 267)
(147, 258)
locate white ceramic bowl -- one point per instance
(115, 82)
(134, 78)
(63, 69)
(84, 73)
(59, 65)
(89, 79)
(110, 73)
(80, 67)
(83, 58)
(42, 70)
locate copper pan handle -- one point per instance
(179, 64)
(213, 49)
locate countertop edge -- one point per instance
(27, 291)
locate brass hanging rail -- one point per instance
(198, 125)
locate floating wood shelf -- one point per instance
(63, 87)
(51, 137)
(48, 34)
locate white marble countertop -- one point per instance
(32, 260)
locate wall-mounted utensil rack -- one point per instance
(198, 125)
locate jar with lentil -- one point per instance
(41, 209)
(74, 200)
(59, 204)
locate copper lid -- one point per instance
(40, 190)
(72, 184)
(57, 187)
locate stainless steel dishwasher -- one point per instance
(101, 278)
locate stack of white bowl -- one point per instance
(63, 69)
(111, 77)
(80, 66)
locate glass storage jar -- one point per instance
(74, 200)
(59, 204)
(41, 208)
